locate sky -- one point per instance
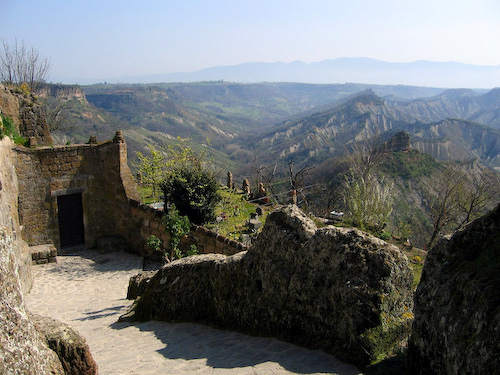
(104, 39)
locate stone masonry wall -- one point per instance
(26, 114)
(206, 241)
(98, 171)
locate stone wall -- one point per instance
(206, 241)
(457, 304)
(337, 289)
(27, 115)
(98, 171)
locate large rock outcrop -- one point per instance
(337, 289)
(457, 304)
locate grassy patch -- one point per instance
(234, 211)
(8, 129)
(409, 164)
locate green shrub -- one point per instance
(154, 243)
(8, 128)
(194, 192)
(385, 236)
(177, 227)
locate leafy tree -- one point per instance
(193, 190)
(20, 64)
(183, 177)
(165, 161)
(152, 168)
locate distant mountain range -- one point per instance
(341, 70)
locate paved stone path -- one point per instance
(88, 290)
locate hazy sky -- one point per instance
(102, 39)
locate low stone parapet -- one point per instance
(43, 254)
(206, 241)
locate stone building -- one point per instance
(69, 195)
(74, 195)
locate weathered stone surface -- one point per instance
(398, 142)
(26, 113)
(457, 304)
(9, 104)
(110, 244)
(8, 214)
(42, 254)
(137, 284)
(22, 350)
(337, 289)
(70, 347)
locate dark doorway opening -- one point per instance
(71, 232)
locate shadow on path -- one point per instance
(226, 349)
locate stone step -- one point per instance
(42, 254)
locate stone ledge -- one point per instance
(42, 254)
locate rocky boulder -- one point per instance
(137, 284)
(457, 304)
(70, 347)
(336, 289)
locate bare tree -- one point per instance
(297, 180)
(477, 195)
(21, 64)
(444, 205)
(461, 197)
(265, 174)
(363, 157)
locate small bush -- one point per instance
(193, 191)
(386, 236)
(154, 243)
(8, 128)
(177, 227)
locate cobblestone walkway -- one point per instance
(88, 290)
